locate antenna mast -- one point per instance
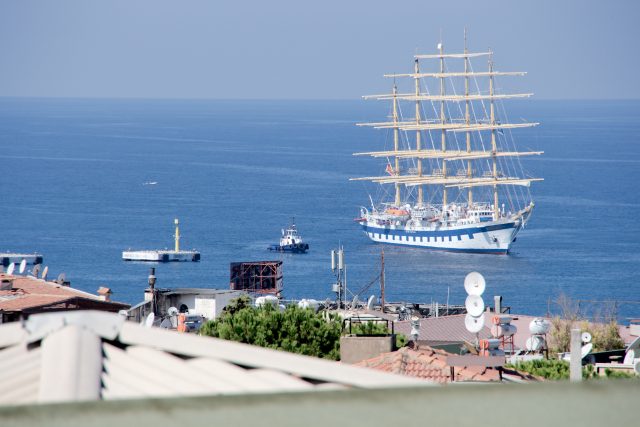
(382, 280)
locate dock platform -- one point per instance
(161, 256)
(8, 258)
(165, 255)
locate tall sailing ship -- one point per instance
(456, 178)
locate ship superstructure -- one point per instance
(456, 177)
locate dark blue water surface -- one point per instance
(234, 172)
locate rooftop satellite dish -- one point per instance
(166, 323)
(148, 322)
(371, 302)
(123, 313)
(11, 267)
(473, 324)
(629, 357)
(23, 266)
(61, 278)
(474, 305)
(586, 337)
(172, 311)
(586, 349)
(474, 283)
(44, 272)
(36, 270)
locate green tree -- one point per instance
(294, 329)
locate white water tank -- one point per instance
(309, 303)
(503, 330)
(535, 343)
(267, 299)
(539, 326)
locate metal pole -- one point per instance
(382, 280)
(575, 367)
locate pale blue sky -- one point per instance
(306, 49)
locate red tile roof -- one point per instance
(28, 293)
(427, 363)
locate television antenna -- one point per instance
(339, 270)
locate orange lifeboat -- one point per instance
(397, 212)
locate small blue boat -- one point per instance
(291, 241)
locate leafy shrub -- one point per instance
(294, 329)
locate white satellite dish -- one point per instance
(371, 302)
(10, 269)
(629, 357)
(123, 313)
(61, 278)
(23, 266)
(473, 324)
(148, 322)
(474, 305)
(166, 324)
(44, 272)
(586, 349)
(36, 270)
(474, 283)
(586, 337)
(172, 311)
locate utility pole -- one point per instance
(382, 279)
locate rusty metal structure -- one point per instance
(256, 277)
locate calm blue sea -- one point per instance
(235, 172)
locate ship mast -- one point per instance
(467, 155)
(418, 137)
(494, 148)
(443, 138)
(396, 132)
(467, 118)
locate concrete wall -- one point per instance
(592, 403)
(354, 348)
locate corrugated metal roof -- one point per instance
(83, 355)
(442, 329)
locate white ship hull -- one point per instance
(494, 237)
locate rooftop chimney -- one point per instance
(104, 293)
(498, 304)
(6, 284)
